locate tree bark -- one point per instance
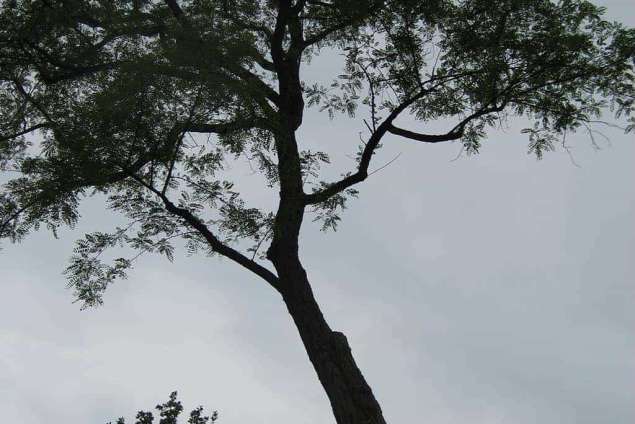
(351, 398)
(350, 395)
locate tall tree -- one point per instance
(144, 102)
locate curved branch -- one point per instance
(454, 134)
(367, 154)
(426, 138)
(387, 126)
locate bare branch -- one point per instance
(387, 126)
(426, 138)
(385, 165)
(367, 153)
(454, 134)
(23, 132)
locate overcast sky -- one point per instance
(488, 289)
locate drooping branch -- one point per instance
(219, 246)
(76, 72)
(213, 241)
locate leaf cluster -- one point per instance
(169, 412)
(145, 103)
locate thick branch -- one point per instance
(177, 12)
(265, 64)
(76, 72)
(426, 138)
(277, 52)
(454, 134)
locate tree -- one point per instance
(113, 98)
(169, 413)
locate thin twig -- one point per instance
(383, 166)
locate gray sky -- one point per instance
(489, 289)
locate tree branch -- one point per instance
(387, 126)
(426, 138)
(177, 12)
(454, 134)
(23, 132)
(216, 245)
(225, 127)
(239, 71)
(367, 154)
(316, 38)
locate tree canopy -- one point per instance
(169, 414)
(144, 102)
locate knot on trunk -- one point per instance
(340, 342)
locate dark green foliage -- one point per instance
(169, 413)
(149, 103)
(328, 211)
(112, 97)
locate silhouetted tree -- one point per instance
(107, 96)
(169, 413)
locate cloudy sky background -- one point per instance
(489, 289)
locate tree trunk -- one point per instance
(351, 398)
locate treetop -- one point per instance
(145, 102)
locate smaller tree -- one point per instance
(169, 413)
